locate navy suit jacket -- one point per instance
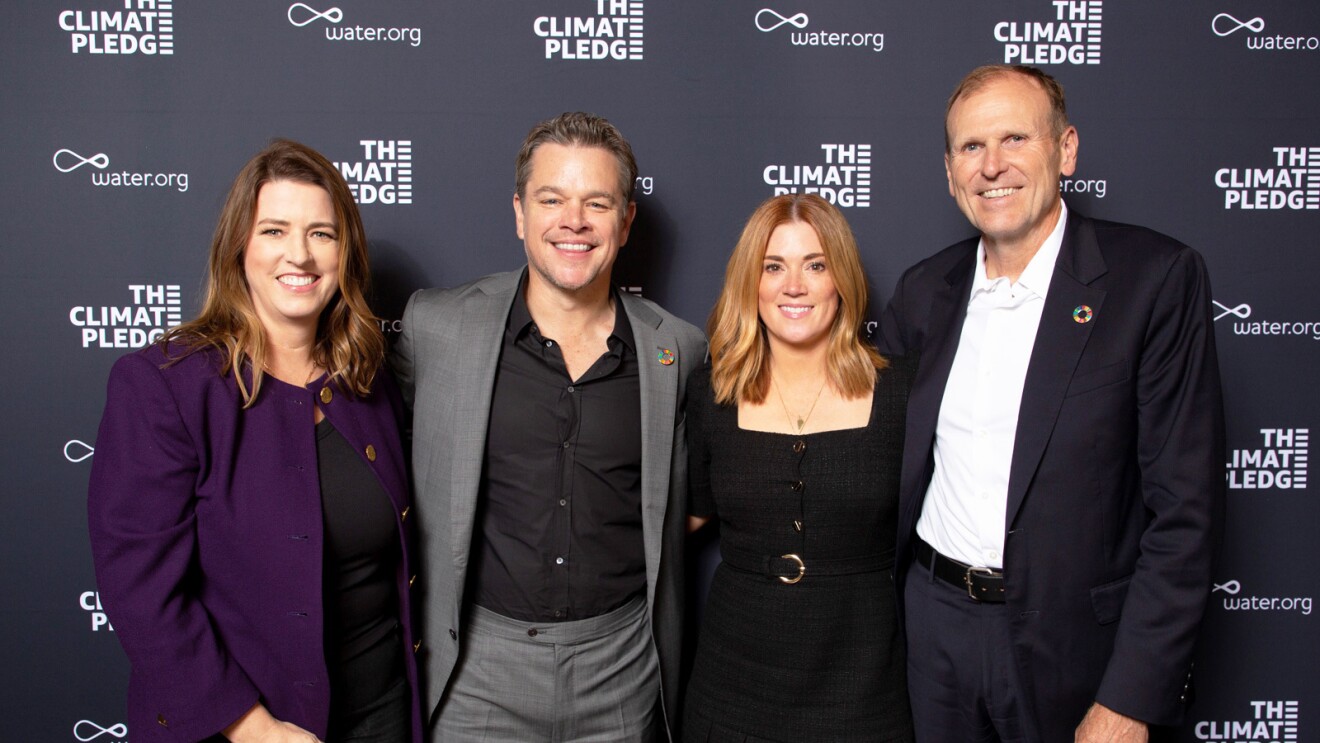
(1116, 484)
(207, 537)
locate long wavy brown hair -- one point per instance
(739, 350)
(349, 342)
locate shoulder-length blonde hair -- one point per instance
(740, 352)
(349, 342)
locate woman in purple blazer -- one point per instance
(248, 503)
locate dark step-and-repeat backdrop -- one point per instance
(124, 122)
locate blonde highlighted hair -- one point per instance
(739, 349)
(349, 343)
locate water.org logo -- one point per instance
(140, 27)
(68, 161)
(615, 30)
(1234, 601)
(1073, 37)
(1279, 464)
(1244, 325)
(87, 731)
(1292, 182)
(155, 308)
(844, 179)
(768, 20)
(1270, 722)
(1225, 25)
(383, 174)
(302, 14)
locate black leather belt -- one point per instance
(982, 584)
(792, 568)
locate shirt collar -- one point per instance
(520, 318)
(1036, 276)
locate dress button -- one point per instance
(371, 453)
(800, 446)
(559, 561)
(531, 632)
(563, 502)
(326, 395)
(798, 486)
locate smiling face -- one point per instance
(797, 300)
(1005, 162)
(572, 219)
(292, 257)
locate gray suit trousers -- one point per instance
(586, 681)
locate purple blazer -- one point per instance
(207, 538)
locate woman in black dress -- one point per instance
(795, 437)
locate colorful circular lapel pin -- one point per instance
(665, 356)
(1083, 314)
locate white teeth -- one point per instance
(296, 280)
(573, 247)
(997, 192)
(794, 311)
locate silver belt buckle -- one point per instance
(967, 579)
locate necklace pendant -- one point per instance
(800, 424)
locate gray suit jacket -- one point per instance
(446, 360)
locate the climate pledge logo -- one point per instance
(1072, 37)
(613, 29)
(154, 309)
(382, 173)
(135, 27)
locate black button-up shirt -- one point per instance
(558, 534)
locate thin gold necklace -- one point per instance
(801, 420)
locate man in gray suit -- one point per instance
(550, 469)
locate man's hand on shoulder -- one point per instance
(1104, 725)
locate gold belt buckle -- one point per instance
(802, 570)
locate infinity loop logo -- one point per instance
(1255, 24)
(1231, 588)
(333, 15)
(797, 21)
(1243, 310)
(98, 161)
(76, 451)
(118, 730)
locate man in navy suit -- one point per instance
(1063, 475)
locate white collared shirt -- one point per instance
(966, 503)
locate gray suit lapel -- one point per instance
(659, 392)
(481, 335)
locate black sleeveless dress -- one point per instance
(820, 659)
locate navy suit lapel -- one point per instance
(1060, 340)
(948, 309)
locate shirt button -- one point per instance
(563, 502)
(565, 444)
(559, 561)
(558, 613)
(548, 344)
(531, 632)
(798, 486)
(570, 388)
(992, 554)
